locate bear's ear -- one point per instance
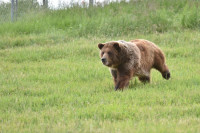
(100, 45)
(117, 47)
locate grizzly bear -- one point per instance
(130, 59)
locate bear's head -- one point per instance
(110, 53)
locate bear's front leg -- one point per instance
(123, 79)
(114, 75)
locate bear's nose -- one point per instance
(103, 60)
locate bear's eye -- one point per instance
(102, 53)
(109, 53)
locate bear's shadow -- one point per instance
(135, 84)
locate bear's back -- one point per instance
(149, 53)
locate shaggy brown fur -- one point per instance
(134, 58)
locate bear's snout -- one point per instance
(103, 60)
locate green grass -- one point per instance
(52, 80)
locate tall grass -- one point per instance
(110, 20)
(115, 19)
(191, 18)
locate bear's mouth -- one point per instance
(107, 64)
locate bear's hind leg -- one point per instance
(166, 74)
(160, 65)
(163, 69)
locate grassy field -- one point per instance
(52, 80)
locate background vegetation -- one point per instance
(51, 78)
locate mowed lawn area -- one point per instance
(65, 88)
(52, 79)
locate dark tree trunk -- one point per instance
(45, 3)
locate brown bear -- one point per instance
(134, 58)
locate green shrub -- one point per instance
(191, 18)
